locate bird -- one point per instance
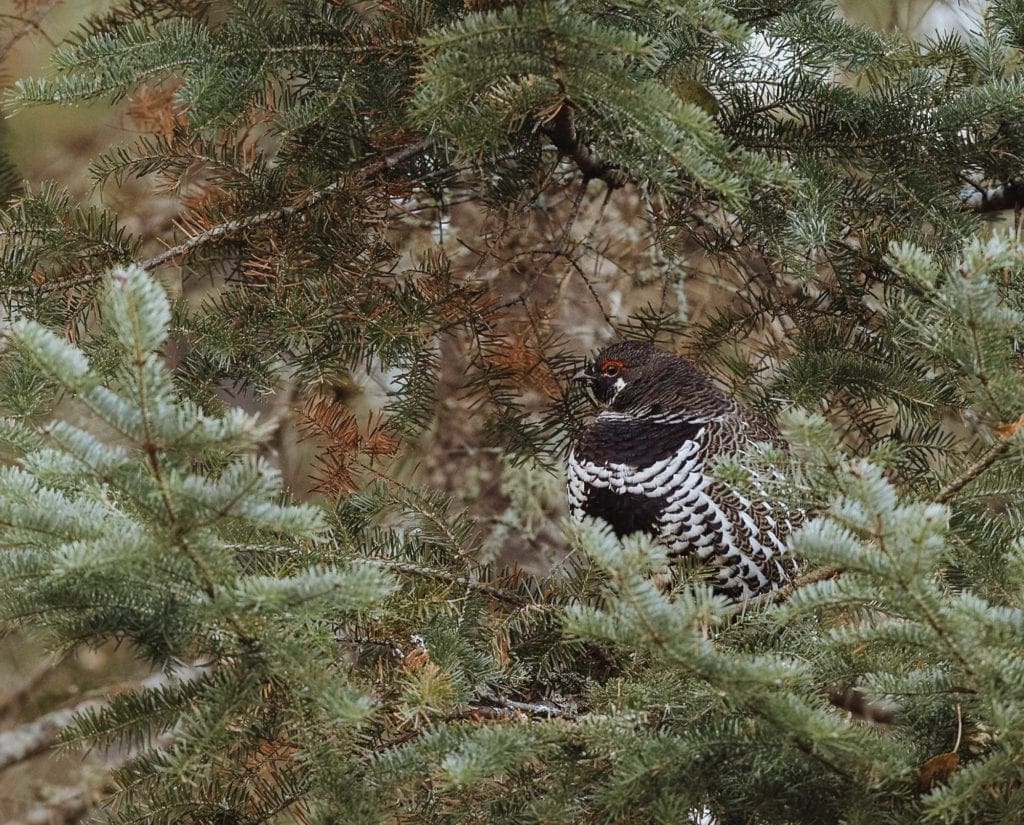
(642, 467)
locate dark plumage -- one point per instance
(640, 467)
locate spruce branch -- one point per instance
(230, 228)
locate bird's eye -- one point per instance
(611, 369)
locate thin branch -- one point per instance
(570, 221)
(509, 709)
(443, 575)
(562, 131)
(988, 458)
(489, 709)
(787, 590)
(593, 292)
(546, 711)
(33, 24)
(809, 578)
(224, 230)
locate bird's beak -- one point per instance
(583, 375)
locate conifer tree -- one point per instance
(415, 196)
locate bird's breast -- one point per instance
(639, 443)
(626, 471)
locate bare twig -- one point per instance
(229, 228)
(570, 221)
(590, 288)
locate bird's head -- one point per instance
(637, 378)
(616, 367)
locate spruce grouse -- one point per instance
(640, 466)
